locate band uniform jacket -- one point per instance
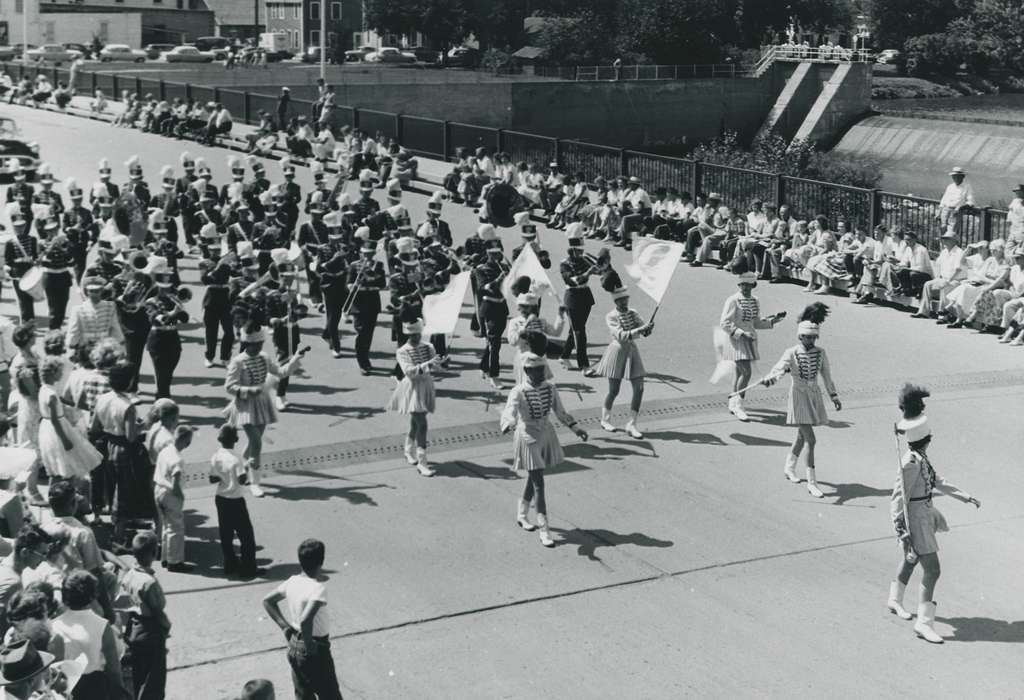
(488, 278)
(577, 288)
(20, 254)
(51, 199)
(439, 231)
(20, 192)
(369, 274)
(365, 208)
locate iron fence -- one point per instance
(591, 159)
(837, 202)
(660, 171)
(737, 186)
(643, 72)
(423, 136)
(471, 137)
(529, 148)
(374, 123)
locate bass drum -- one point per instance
(501, 203)
(31, 283)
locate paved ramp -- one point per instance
(916, 154)
(818, 122)
(785, 111)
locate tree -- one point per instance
(444, 21)
(582, 40)
(895, 21)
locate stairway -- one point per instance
(785, 99)
(816, 120)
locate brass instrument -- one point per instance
(183, 294)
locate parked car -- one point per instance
(188, 54)
(462, 57)
(122, 52)
(312, 55)
(888, 56)
(154, 51)
(425, 55)
(80, 48)
(52, 53)
(12, 145)
(219, 46)
(8, 53)
(359, 55)
(389, 54)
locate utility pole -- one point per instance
(323, 38)
(256, 21)
(24, 31)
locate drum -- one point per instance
(31, 283)
(503, 203)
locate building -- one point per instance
(132, 22)
(299, 20)
(241, 19)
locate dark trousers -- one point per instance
(218, 318)
(165, 352)
(577, 339)
(233, 519)
(313, 673)
(911, 281)
(440, 344)
(334, 302)
(79, 263)
(474, 324)
(104, 483)
(315, 293)
(91, 686)
(365, 324)
(147, 656)
(495, 318)
(693, 240)
(134, 346)
(26, 304)
(57, 287)
(286, 342)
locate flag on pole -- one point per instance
(654, 263)
(441, 311)
(528, 264)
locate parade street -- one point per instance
(686, 565)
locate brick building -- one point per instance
(299, 20)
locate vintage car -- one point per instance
(13, 146)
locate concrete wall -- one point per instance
(852, 100)
(162, 26)
(485, 104)
(66, 27)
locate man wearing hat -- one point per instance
(46, 195)
(332, 268)
(634, 206)
(20, 191)
(56, 263)
(237, 183)
(20, 255)
(215, 276)
(257, 185)
(166, 200)
(313, 235)
(435, 228)
(79, 226)
(711, 221)
(365, 281)
(958, 197)
(366, 205)
(136, 185)
(949, 268)
(166, 314)
(242, 229)
(1015, 219)
(282, 313)
(579, 299)
(95, 318)
(735, 338)
(405, 285)
(528, 231)
(291, 190)
(23, 670)
(914, 268)
(492, 305)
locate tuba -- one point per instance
(503, 202)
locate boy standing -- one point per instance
(170, 500)
(307, 626)
(228, 472)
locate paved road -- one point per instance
(688, 565)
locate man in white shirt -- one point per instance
(948, 269)
(958, 196)
(635, 205)
(307, 625)
(220, 123)
(915, 268)
(228, 472)
(170, 500)
(1015, 218)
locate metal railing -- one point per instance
(436, 138)
(643, 72)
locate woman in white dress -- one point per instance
(914, 516)
(414, 394)
(805, 362)
(527, 322)
(735, 338)
(64, 451)
(621, 359)
(535, 445)
(960, 301)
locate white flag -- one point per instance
(441, 311)
(528, 264)
(654, 263)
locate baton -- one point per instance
(763, 381)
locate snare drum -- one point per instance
(31, 283)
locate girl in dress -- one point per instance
(735, 338)
(414, 394)
(621, 359)
(535, 445)
(248, 383)
(915, 518)
(64, 451)
(527, 322)
(27, 433)
(804, 362)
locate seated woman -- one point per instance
(999, 301)
(528, 182)
(62, 96)
(983, 268)
(300, 143)
(386, 154)
(324, 144)
(42, 92)
(405, 167)
(574, 196)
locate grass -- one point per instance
(1005, 108)
(894, 88)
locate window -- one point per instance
(335, 10)
(314, 37)
(314, 10)
(296, 12)
(104, 32)
(295, 38)
(48, 32)
(332, 39)
(19, 7)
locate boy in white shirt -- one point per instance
(307, 625)
(170, 500)
(229, 473)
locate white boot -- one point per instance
(895, 602)
(254, 482)
(606, 420)
(737, 409)
(521, 516)
(1005, 337)
(812, 484)
(631, 428)
(925, 620)
(545, 536)
(410, 451)
(421, 462)
(790, 469)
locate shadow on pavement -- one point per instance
(356, 495)
(679, 436)
(844, 493)
(457, 469)
(755, 441)
(589, 450)
(587, 542)
(984, 629)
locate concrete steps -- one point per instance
(816, 122)
(785, 100)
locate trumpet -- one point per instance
(251, 288)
